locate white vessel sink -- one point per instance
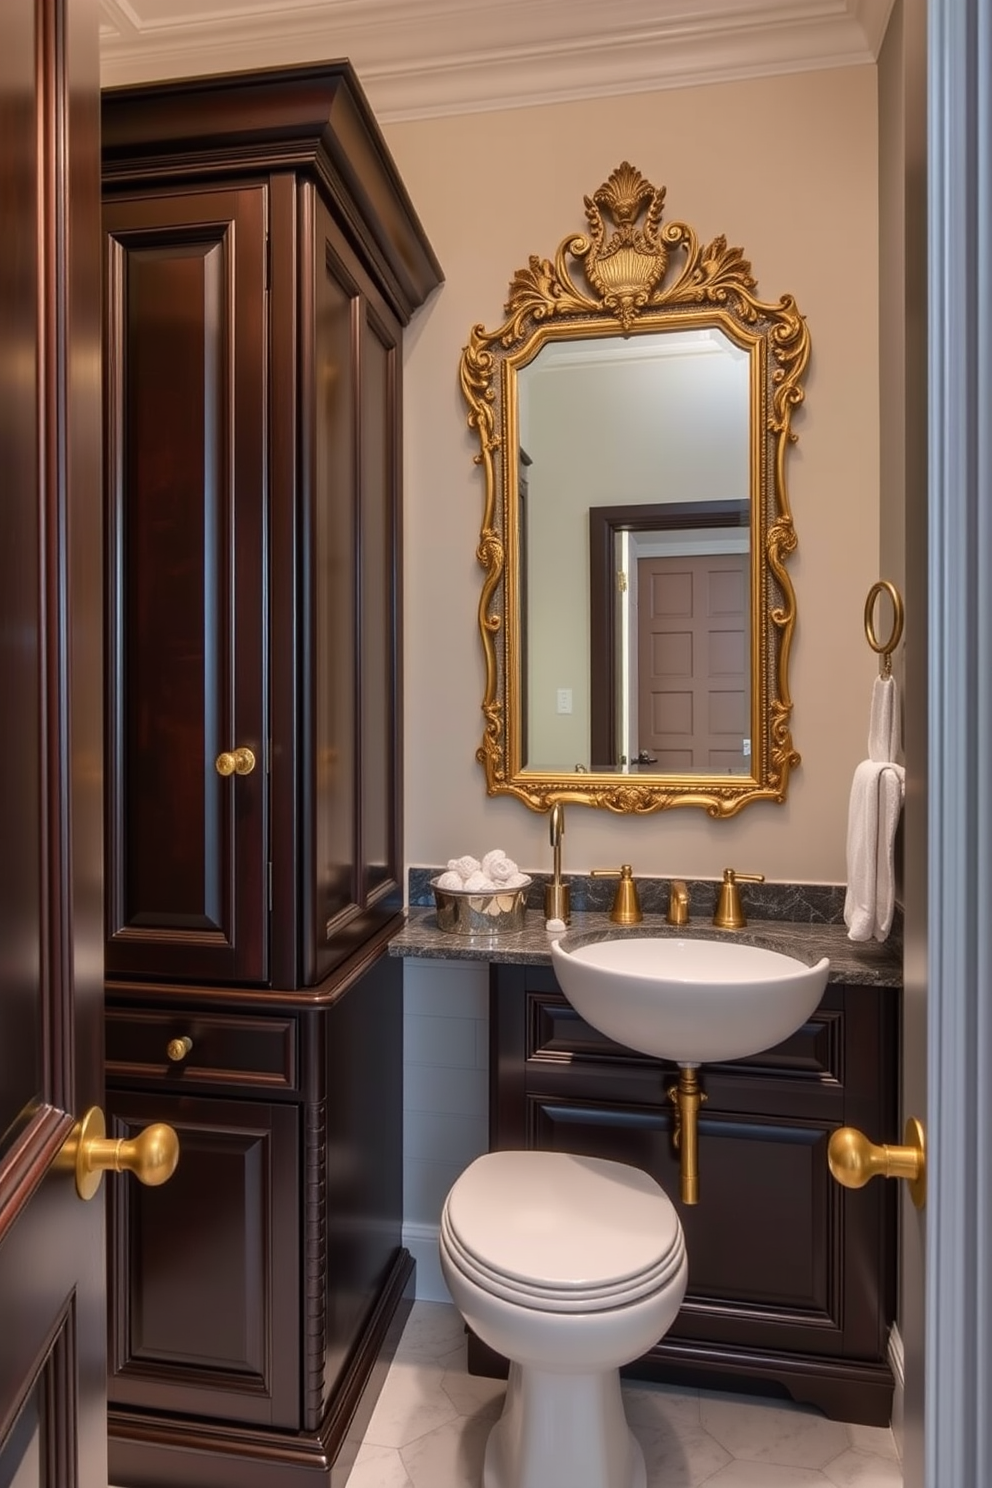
(693, 1001)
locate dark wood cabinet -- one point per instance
(262, 259)
(791, 1277)
(187, 522)
(206, 1300)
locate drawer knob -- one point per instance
(179, 1047)
(235, 762)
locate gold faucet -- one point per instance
(626, 904)
(557, 895)
(678, 903)
(729, 913)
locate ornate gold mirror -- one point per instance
(636, 613)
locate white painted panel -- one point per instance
(442, 1042)
(425, 1188)
(460, 1092)
(444, 1138)
(443, 988)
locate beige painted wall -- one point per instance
(785, 167)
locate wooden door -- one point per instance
(52, 1331)
(694, 693)
(188, 860)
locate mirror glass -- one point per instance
(636, 611)
(635, 472)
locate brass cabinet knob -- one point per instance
(235, 762)
(854, 1160)
(178, 1048)
(151, 1156)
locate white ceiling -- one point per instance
(420, 58)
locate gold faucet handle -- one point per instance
(626, 904)
(729, 913)
(678, 903)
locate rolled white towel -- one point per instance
(516, 880)
(464, 867)
(497, 866)
(478, 883)
(450, 881)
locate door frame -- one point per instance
(958, 1349)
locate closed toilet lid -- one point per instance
(550, 1224)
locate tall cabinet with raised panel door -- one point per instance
(262, 258)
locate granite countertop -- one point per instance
(868, 962)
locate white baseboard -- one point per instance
(897, 1363)
(421, 1241)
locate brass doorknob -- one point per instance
(151, 1156)
(235, 762)
(854, 1160)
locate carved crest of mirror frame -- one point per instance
(642, 276)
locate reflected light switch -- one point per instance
(564, 700)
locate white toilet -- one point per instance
(569, 1267)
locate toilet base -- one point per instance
(563, 1431)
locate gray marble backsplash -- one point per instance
(812, 904)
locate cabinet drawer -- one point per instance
(224, 1048)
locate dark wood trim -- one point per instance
(325, 994)
(307, 118)
(147, 1450)
(604, 523)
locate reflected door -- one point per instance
(52, 1348)
(693, 689)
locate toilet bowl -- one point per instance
(570, 1267)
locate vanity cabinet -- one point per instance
(791, 1277)
(261, 261)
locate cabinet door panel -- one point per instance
(350, 740)
(188, 859)
(770, 1280)
(205, 1308)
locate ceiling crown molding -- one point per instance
(429, 58)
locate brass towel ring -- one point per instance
(884, 648)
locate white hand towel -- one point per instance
(873, 815)
(451, 881)
(884, 723)
(464, 867)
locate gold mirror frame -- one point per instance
(632, 289)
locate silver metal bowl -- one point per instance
(500, 912)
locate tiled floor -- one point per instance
(430, 1424)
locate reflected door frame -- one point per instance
(605, 523)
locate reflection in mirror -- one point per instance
(636, 613)
(656, 424)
